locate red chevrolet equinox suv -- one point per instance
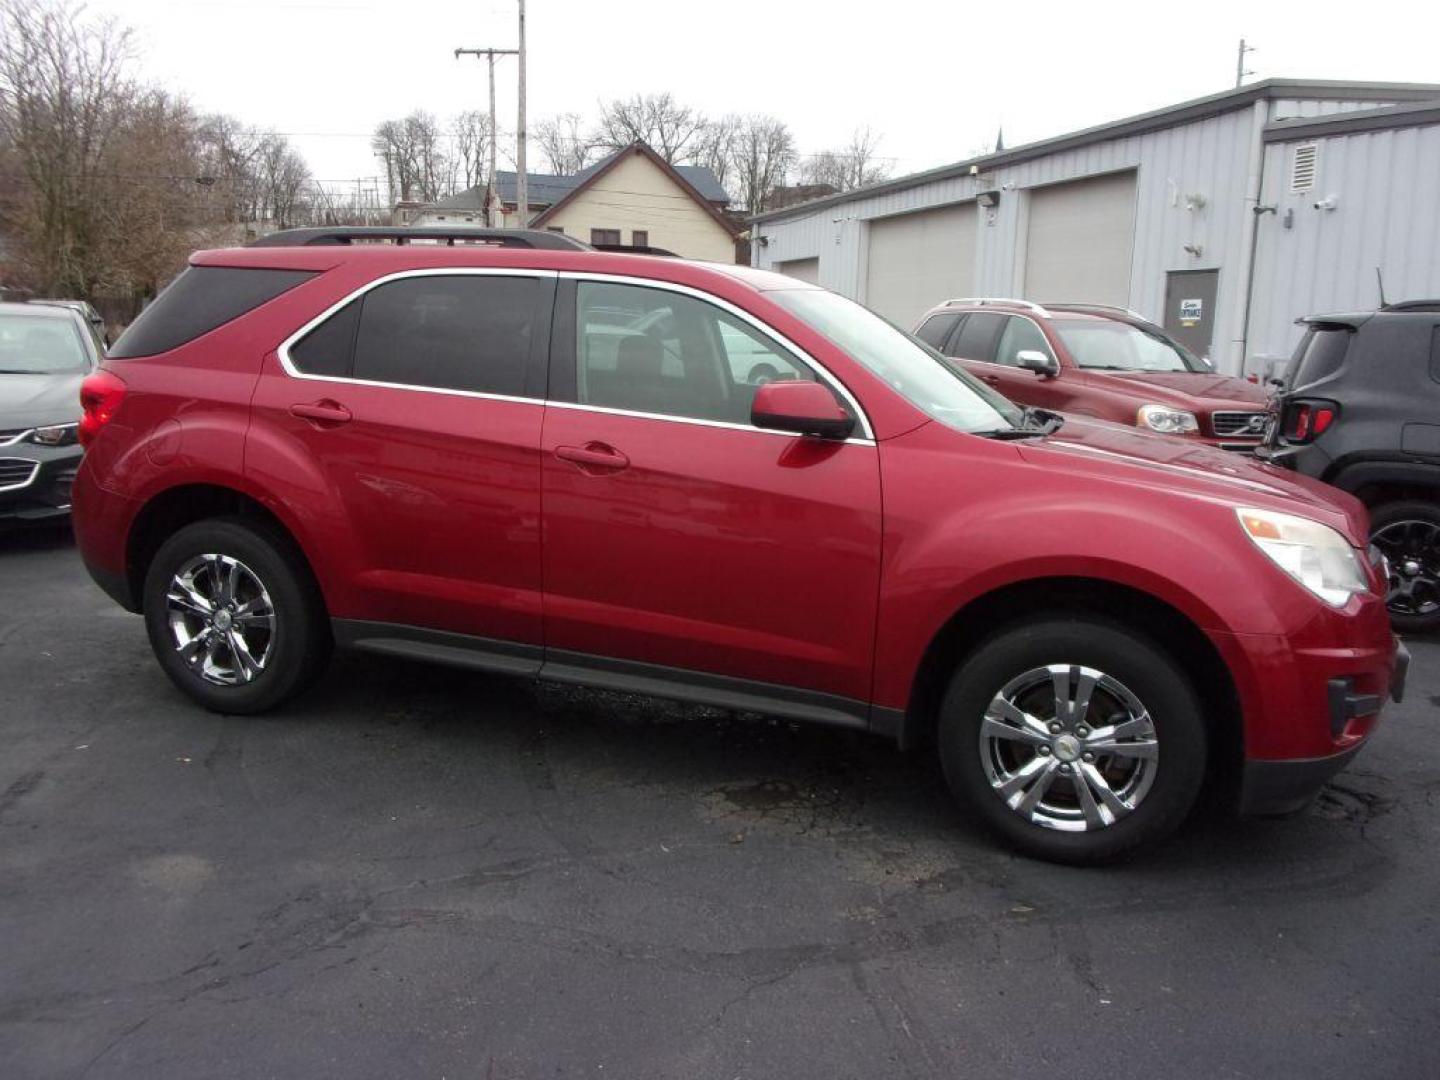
(509, 452)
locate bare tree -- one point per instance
(763, 156)
(563, 143)
(412, 153)
(471, 130)
(853, 166)
(715, 146)
(657, 120)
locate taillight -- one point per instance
(100, 395)
(1305, 420)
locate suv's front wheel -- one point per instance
(234, 616)
(1076, 740)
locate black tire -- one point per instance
(1426, 516)
(296, 643)
(1146, 671)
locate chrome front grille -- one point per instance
(17, 472)
(1242, 425)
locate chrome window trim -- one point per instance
(745, 317)
(282, 351)
(34, 472)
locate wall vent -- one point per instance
(1302, 168)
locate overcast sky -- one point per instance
(935, 80)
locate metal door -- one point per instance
(1190, 308)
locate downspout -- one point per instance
(1255, 183)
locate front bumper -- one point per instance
(1282, 787)
(36, 481)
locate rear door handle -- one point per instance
(593, 457)
(322, 412)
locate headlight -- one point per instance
(1166, 420)
(1315, 555)
(55, 435)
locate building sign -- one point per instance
(1191, 312)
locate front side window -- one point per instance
(463, 332)
(36, 345)
(1020, 335)
(655, 351)
(912, 370)
(1106, 345)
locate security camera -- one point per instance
(1327, 203)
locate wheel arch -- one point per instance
(172, 509)
(1377, 482)
(1170, 628)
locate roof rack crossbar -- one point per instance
(1413, 305)
(1007, 301)
(535, 239)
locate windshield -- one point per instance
(1106, 345)
(913, 370)
(39, 345)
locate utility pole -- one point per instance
(1240, 71)
(490, 55)
(522, 196)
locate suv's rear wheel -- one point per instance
(1077, 740)
(234, 616)
(1409, 535)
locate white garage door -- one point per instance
(918, 260)
(804, 269)
(1081, 238)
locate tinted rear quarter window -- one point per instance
(1320, 354)
(466, 332)
(327, 349)
(200, 300)
(937, 328)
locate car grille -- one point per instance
(17, 472)
(1245, 425)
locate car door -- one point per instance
(406, 424)
(677, 535)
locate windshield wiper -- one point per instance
(1034, 423)
(21, 371)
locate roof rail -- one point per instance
(1413, 305)
(1005, 300)
(1082, 306)
(370, 234)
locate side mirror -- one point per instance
(805, 408)
(1040, 363)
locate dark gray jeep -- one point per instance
(1359, 407)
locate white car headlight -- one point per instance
(1315, 555)
(54, 435)
(1166, 420)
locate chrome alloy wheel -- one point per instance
(221, 619)
(1412, 548)
(1068, 747)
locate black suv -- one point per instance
(1359, 407)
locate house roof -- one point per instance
(545, 189)
(1182, 113)
(591, 176)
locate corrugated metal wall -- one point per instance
(1192, 185)
(1386, 187)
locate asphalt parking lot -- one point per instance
(416, 872)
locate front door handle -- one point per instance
(593, 457)
(323, 412)
(993, 380)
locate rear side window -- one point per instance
(936, 329)
(327, 349)
(976, 340)
(466, 332)
(199, 300)
(1320, 354)
(1435, 354)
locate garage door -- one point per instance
(1081, 238)
(804, 269)
(917, 260)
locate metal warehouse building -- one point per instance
(1225, 218)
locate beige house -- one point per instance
(633, 198)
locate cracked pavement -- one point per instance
(417, 872)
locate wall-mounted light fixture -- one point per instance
(988, 199)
